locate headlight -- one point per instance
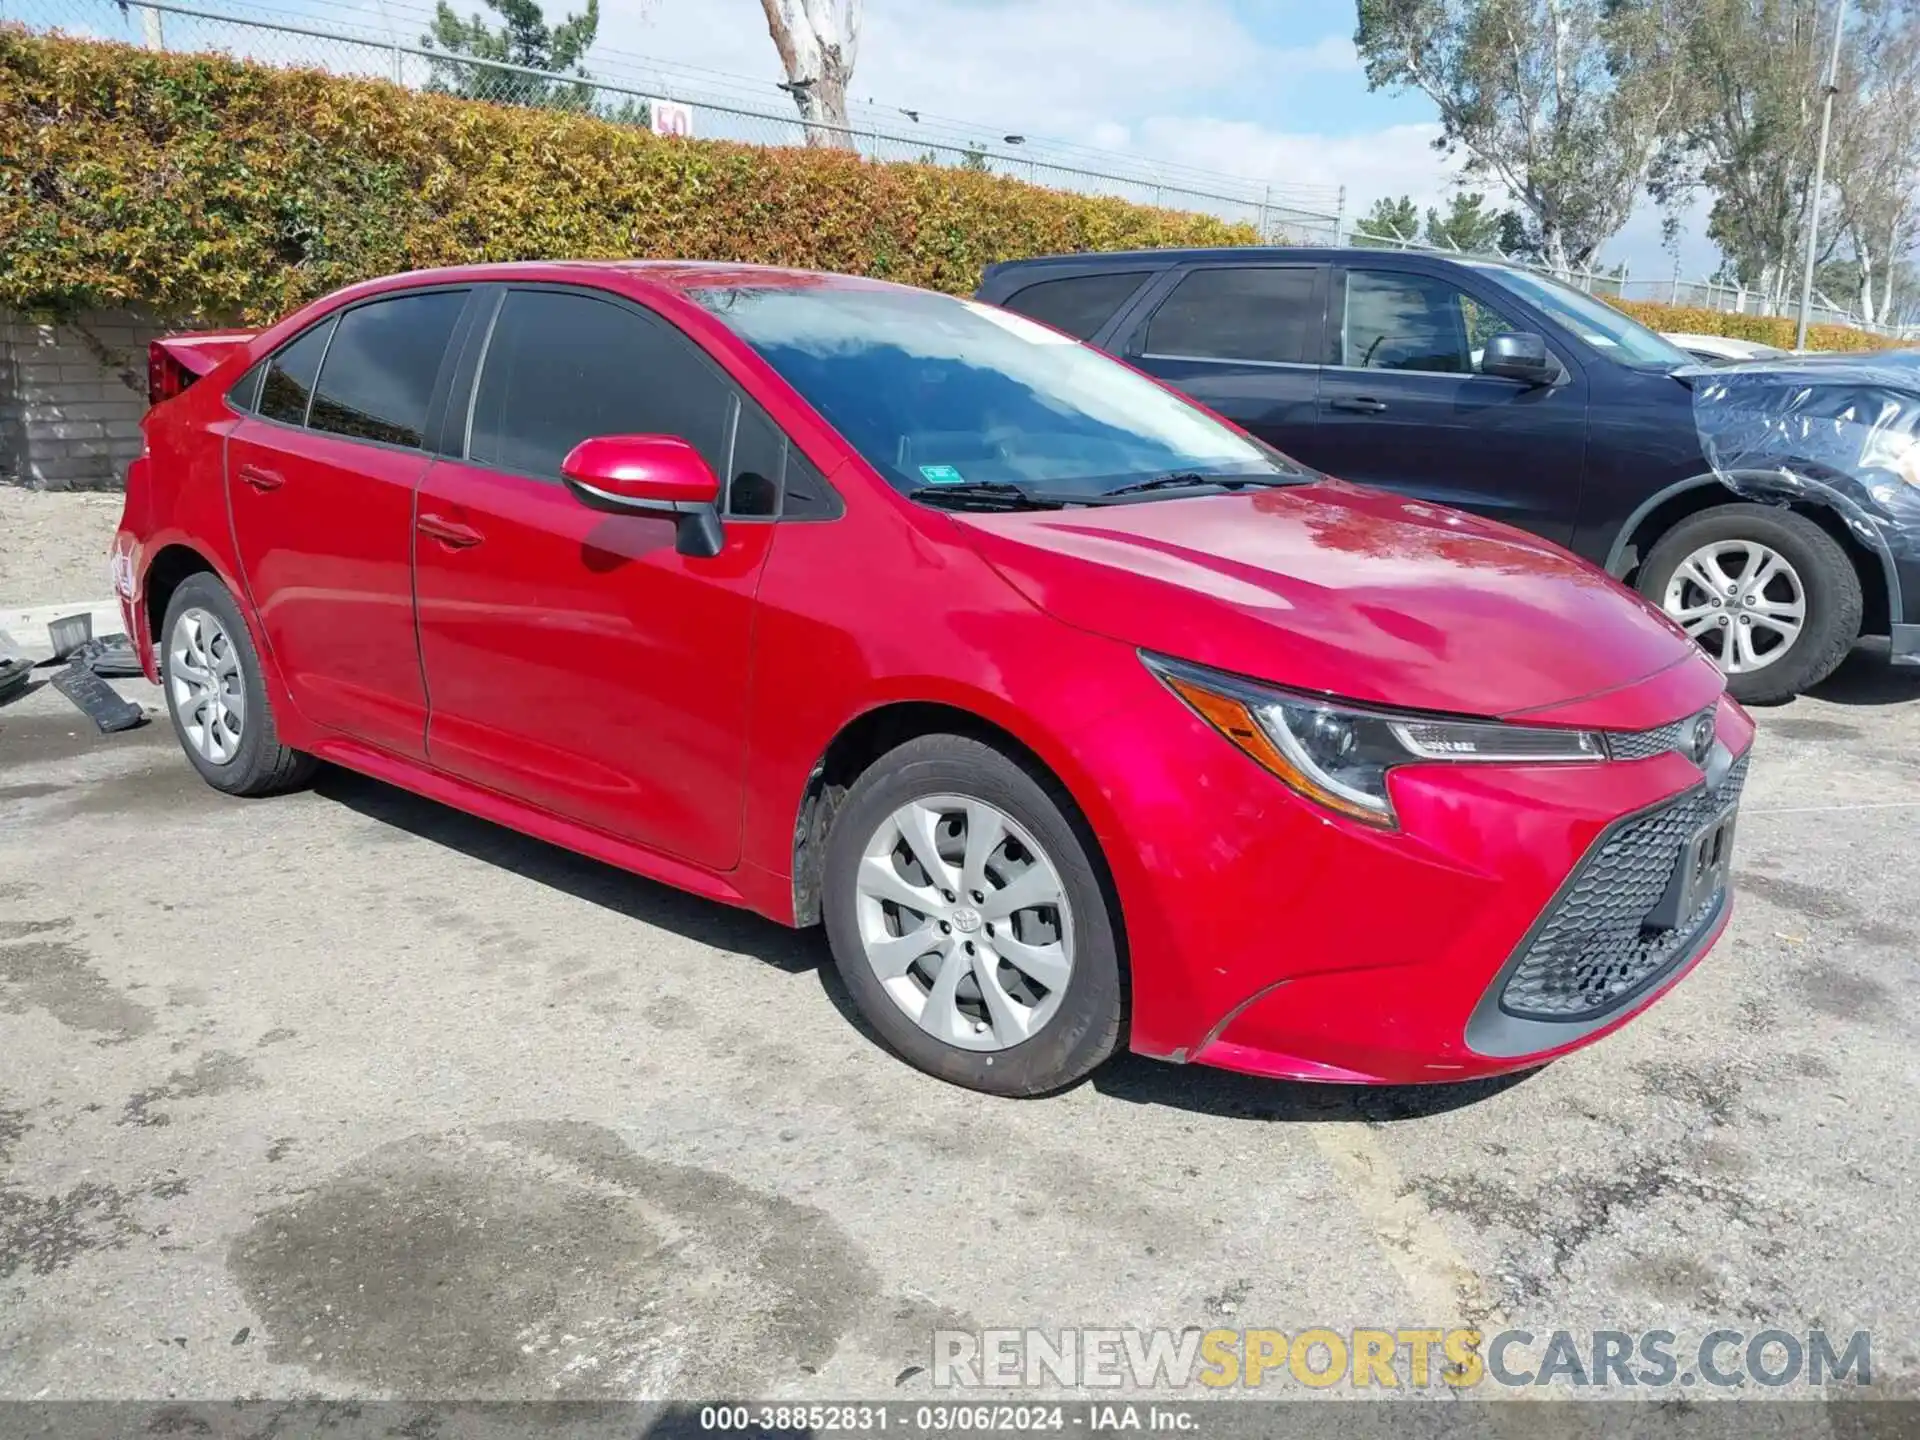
(1339, 755)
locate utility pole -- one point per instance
(1820, 175)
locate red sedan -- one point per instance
(1077, 716)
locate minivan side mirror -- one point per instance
(649, 474)
(1520, 355)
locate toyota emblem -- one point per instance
(1700, 738)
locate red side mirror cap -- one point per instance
(640, 472)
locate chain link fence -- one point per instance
(629, 89)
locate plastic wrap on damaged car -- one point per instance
(1845, 433)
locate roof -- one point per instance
(701, 274)
(1315, 253)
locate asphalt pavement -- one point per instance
(347, 1094)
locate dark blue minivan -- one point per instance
(1501, 391)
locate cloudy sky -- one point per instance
(1269, 89)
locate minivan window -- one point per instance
(1258, 313)
(1080, 304)
(378, 378)
(935, 391)
(289, 383)
(560, 368)
(1594, 321)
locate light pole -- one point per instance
(1820, 175)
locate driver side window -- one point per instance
(1395, 321)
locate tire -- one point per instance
(1828, 585)
(1071, 1027)
(240, 751)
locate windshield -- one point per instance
(1594, 321)
(936, 391)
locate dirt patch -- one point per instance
(218, 1072)
(57, 976)
(543, 1259)
(57, 545)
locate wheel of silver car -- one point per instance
(206, 686)
(965, 921)
(1742, 600)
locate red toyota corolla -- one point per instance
(1079, 717)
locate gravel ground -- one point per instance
(53, 545)
(346, 1094)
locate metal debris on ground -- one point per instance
(109, 655)
(69, 633)
(98, 700)
(15, 668)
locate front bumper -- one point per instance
(1905, 629)
(1273, 938)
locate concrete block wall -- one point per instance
(72, 392)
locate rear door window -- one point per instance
(1080, 304)
(377, 382)
(1267, 313)
(561, 367)
(288, 387)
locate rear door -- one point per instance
(1245, 341)
(320, 478)
(1405, 406)
(576, 659)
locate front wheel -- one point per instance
(1766, 592)
(967, 921)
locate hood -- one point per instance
(1349, 592)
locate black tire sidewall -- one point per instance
(1832, 589)
(250, 763)
(1085, 1028)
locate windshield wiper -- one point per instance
(985, 495)
(1193, 479)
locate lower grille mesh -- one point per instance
(1593, 949)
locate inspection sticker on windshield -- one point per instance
(941, 475)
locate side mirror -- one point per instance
(1518, 355)
(649, 474)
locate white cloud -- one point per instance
(1138, 76)
(1331, 52)
(1399, 160)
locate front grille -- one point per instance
(1594, 949)
(1645, 744)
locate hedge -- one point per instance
(200, 186)
(1777, 330)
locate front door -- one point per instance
(574, 659)
(1406, 408)
(321, 478)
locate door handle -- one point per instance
(1359, 404)
(261, 479)
(449, 532)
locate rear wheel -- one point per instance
(217, 695)
(967, 921)
(1766, 592)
